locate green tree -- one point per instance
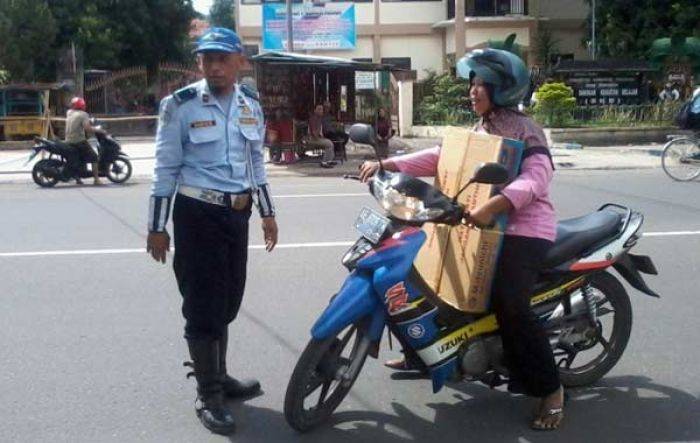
(27, 32)
(222, 14)
(446, 100)
(627, 28)
(116, 34)
(545, 46)
(676, 49)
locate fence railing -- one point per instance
(658, 114)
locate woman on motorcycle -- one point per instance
(499, 80)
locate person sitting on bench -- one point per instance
(318, 140)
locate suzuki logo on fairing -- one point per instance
(453, 342)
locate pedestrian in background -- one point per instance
(209, 149)
(669, 93)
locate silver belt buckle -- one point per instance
(211, 196)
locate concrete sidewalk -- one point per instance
(566, 157)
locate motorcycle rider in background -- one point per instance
(78, 127)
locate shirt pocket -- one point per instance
(250, 132)
(206, 147)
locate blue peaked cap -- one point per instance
(219, 40)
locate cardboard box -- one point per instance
(458, 263)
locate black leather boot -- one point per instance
(210, 408)
(232, 387)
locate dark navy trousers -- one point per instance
(211, 253)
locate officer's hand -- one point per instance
(367, 170)
(157, 244)
(269, 226)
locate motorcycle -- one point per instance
(584, 308)
(113, 163)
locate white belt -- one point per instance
(235, 201)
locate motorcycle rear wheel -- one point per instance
(119, 170)
(39, 173)
(611, 299)
(320, 366)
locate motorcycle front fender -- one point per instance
(355, 300)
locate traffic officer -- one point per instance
(209, 150)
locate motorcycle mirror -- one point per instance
(364, 134)
(490, 174)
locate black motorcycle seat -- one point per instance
(575, 235)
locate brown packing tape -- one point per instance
(452, 157)
(428, 262)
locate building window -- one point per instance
(398, 62)
(393, 1)
(257, 2)
(251, 50)
(489, 8)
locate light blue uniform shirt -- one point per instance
(200, 144)
(197, 145)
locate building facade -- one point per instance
(420, 34)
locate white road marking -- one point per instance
(669, 234)
(321, 195)
(336, 244)
(332, 244)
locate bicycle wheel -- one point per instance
(681, 159)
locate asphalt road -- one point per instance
(92, 346)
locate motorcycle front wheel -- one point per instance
(119, 170)
(321, 379)
(41, 175)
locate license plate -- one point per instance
(371, 224)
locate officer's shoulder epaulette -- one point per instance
(250, 92)
(185, 94)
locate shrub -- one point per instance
(555, 101)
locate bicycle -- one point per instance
(681, 157)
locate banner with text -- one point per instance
(328, 26)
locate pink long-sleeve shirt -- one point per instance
(533, 213)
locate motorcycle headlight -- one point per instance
(406, 208)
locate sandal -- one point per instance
(548, 420)
(403, 364)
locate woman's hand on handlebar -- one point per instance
(367, 170)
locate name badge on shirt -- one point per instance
(203, 123)
(248, 121)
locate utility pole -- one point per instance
(460, 35)
(593, 49)
(290, 28)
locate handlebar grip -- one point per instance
(352, 177)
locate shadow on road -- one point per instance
(620, 409)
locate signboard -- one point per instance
(605, 89)
(329, 26)
(365, 80)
